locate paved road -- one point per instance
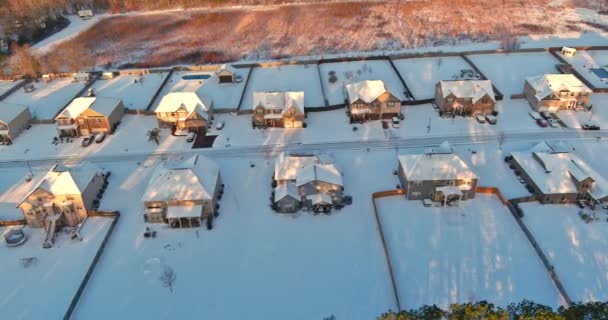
(270, 150)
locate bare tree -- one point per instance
(167, 278)
(153, 135)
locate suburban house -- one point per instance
(183, 193)
(227, 74)
(63, 196)
(90, 115)
(558, 175)
(552, 92)
(302, 180)
(14, 118)
(369, 100)
(440, 175)
(81, 77)
(278, 109)
(465, 97)
(184, 111)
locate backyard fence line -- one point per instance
(578, 74)
(160, 88)
(140, 112)
(115, 215)
(240, 106)
(14, 88)
(497, 94)
(7, 223)
(325, 100)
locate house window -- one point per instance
(417, 183)
(449, 100)
(173, 114)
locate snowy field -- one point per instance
(508, 71)
(462, 254)
(355, 71)
(422, 74)
(225, 95)
(7, 85)
(129, 138)
(75, 27)
(584, 60)
(48, 98)
(254, 263)
(53, 279)
(135, 91)
(576, 249)
(176, 83)
(286, 78)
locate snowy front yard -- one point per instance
(576, 249)
(47, 99)
(462, 254)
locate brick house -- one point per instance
(90, 115)
(553, 92)
(370, 100)
(465, 96)
(184, 111)
(278, 109)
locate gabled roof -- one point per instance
(9, 111)
(444, 147)
(474, 89)
(279, 100)
(328, 173)
(226, 67)
(546, 84)
(441, 166)
(102, 105)
(319, 198)
(287, 166)
(366, 91)
(286, 190)
(66, 180)
(192, 179)
(189, 100)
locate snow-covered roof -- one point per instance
(192, 179)
(9, 111)
(366, 91)
(102, 105)
(444, 147)
(554, 172)
(552, 147)
(66, 180)
(284, 190)
(442, 166)
(328, 173)
(318, 198)
(475, 89)
(287, 166)
(279, 100)
(189, 100)
(194, 211)
(226, 67)
(547, 84)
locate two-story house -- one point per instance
(184, 111)
(278, 109)
(90, 115)
(64, 195)
(370, 100)
(14, 118)
(183, 193)
(553, 92)
(465, 97)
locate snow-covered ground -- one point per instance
(136, 92)
(286, 78)
(225, 95)
(130, 137)
(254, 263)
(7, 85)
(468, 253)
(422, 74)
(176, 84)
(576, 249)
(75, 27)
(599, 113)
(44, 289)
(355, 71)
(48, 98)
(584, 60)
(508, 71)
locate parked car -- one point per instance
(480, 118)
(590, 126)
(542, 123)
(219, 125)
(190, 137)
(545, 115)
(535, 115)
(100, 137)
(87, 140)
(395, 123)
(552, 123)
(491, 119)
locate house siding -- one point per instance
(468, 106)
(425, 189)
(552, 102)
(379, 108)
(314, 187)
(19, 123)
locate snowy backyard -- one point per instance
(355, 71)
(225, 95)
(422, 74)
(508, 71)
(177, 83)
(286, 78)
(47, 99)
(471, 252)
(586, 60)
(576, 249)
(7, 85)
(135, 91)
